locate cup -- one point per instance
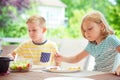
(4, 65)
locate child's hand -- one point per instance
(58, 58)
(10, 56)
(117, 71)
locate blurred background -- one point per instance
(63, 21)
(63, 16)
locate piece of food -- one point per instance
(74, 68)
(54, 68)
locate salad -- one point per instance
(20, 66)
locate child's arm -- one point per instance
(72, 59)
(12, 55)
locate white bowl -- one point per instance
(67, 78)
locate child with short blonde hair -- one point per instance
(38, 48)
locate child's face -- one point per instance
(92, 30)
(36, 33)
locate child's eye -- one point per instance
(34, 30)
(89, 28)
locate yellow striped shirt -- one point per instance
(33, 51)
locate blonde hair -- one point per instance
(98, 18)
(37, 19)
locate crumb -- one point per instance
(53, 68)
(74, 68)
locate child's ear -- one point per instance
(44, 29)
(102, 26)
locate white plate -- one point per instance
(67, 78)
(57, 69)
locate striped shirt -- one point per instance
(39, 53)
(106, 57)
